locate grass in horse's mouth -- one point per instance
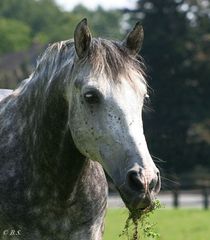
(139, 220)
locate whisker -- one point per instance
(157, 159)
(169, 180)
(146, 108)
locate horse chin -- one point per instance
(141, 202)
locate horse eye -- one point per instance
(92, 97)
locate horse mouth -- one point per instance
(140, 202)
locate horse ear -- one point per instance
(133, 41)
(82, 39)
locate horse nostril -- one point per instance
(158, 184)
(134, 181)
(152, 184)
(155, 184)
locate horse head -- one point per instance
(106, 97)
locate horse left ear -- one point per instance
(133, 41)
(82, 39)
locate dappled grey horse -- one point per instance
(83, 101)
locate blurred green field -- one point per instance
(171, 224)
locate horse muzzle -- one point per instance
(138, 191)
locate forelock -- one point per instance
(112, 59)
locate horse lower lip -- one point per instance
(134, 201)
(139, 202)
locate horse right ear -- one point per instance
(133, 41)
(82, 39)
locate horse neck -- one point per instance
(54, 160)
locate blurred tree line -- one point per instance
(25, 22)
(176, 49)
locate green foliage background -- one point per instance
(25, 22)
(11, 39)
